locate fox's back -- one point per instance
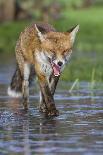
(44, 27)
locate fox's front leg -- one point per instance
(47, 97)
(42, 105)
(47, 70)
(53, 81)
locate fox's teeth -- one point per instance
(57, 74)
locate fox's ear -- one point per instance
(40, 35)
(73, 31)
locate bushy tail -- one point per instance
(15, 88)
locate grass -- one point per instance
(90, 36)
(74, 85)
(9, 33)
(92, 80)
(82, 67)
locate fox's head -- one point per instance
(57, 47)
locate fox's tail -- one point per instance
(15, 88)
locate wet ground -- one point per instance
(77, 131)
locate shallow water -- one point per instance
(78, 130)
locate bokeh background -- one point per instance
(87, 60)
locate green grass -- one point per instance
(82, 66)
(90, 36)
(9, 33)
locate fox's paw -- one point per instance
(48, 111)
(42, 108)
(53, 112)
(25, 105)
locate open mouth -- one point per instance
(56, 69)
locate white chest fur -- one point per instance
(44, 63)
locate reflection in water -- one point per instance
(77, 131)
(26, 138)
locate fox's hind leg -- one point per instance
(19, 86)
(25, 85)
(25, 72)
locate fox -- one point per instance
(41, 51)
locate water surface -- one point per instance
(78, 130)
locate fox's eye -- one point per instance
(65, 52)
(52, 53)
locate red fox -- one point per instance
(41, 51)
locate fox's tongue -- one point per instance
(56, 70)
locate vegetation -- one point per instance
(82, 66)
(9, 33)
(91, 32)
(89, 37)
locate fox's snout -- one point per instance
(57, 67)
(59, 63)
